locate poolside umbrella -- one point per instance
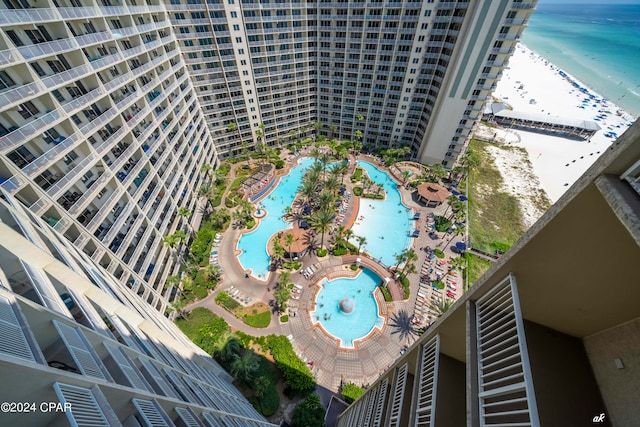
(461, 246)
(304, 225)
(455, 193)
(462, 198)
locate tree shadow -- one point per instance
(401, 324)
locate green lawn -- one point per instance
(476, 267)
(495, 219)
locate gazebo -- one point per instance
(432, 194)
(300, 244)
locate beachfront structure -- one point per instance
(109, 111)
(548, 336)
(542, 123)
(71, 334)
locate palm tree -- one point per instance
(410, 256)
(282, 295)
(211, 272)
(312, 176)
(400, 258)
(457, 231)
(361, 242)
(442, 307)
(227, 348)
(278, 252)
(245, 367)
(184, 213)
(320, 222)
(332, 184)
(438, 171)
(451, 200)
(406, 174)
(409, 269)
(357, 137)
(284, 278)
(178, 306)
(260, 387)
(289, 239)
(401, 324)
(206, 169)
(307, 191)
(325, 200)
(340, 169)
(324, 161)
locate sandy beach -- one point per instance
(534, 85)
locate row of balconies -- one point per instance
(38, 15)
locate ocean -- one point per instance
(599, 44)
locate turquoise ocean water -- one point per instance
(599, 44)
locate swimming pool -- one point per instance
(346, 308)
(385, 223)
(253, 245)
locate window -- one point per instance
(236, 27)
(27, 110)
(5, 80)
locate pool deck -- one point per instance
(331, 364)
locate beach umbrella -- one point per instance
(462, 198)
(461, 246)
(455, 193)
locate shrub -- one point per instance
(385, 293)
(351, 392)
(322, 252)
(201, 245)
(309, 413)
(228, 202)
(438, 252)
(224, 169)
(371, 196)
(226, 301)
(279, 164)
(251, 222)
(439, 284)
(260, 320)
(203, 327)
(353, 267)
(357, 174)
(340, 250)
(296, 374)
(357, 191)
(284, 318)
(292, 265)
(269, 403)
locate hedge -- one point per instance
(260, 320)
(438, 252)
(284, 318)
(269, 404)
(385, 293)
(226, 301)
(297, 375)
(351, 392)
(357, 191)
(201, 245)
(321, 252)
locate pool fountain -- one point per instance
(346, 308)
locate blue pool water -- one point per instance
(254, 254)
(387, 223)
(348, 327)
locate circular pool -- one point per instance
(346, 309)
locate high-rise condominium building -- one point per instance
(109, 110)
(79, 348)
(549, 335)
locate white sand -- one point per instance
(557, 162)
